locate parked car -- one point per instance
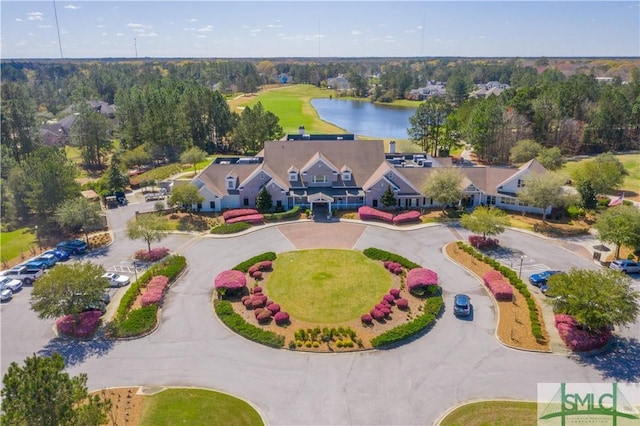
(117, 280)
(5, 294)
(61, 255)
(35, 264)
(24, 274)
(10, 283)
(49, 260)
(626, 266)
(541, 278)
(72, 246)
(461, 305)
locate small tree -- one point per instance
(524, 150)
(388, 199)
(587, 195)
(596, 299)
(115, 178)
(185, 195)
(148, 227)
(543, 190)
(40, 393)
(444, 186)
(619, 225)
(604, 173)
(485, 221)
(551, 158)
(263, 200)
(68, 289)
(193, 156)
(79, 213)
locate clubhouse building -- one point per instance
(325, 172)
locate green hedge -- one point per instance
(432, 308)
(510, 274)
(289, 214)
(230, 228)
(244, 266)
(137, 322)
(378, 254)
(235, 322)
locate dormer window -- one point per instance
(231, 182)
(346, 175)
(293, 176)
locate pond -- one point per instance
(365, 118)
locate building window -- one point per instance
(246, 201)
(293, 176)
(199, 206)
(520, 183)
(346, 175)
(279, 203)
(491, 200)
(212, 205)
(231, 183)
(375, 203)
(508, 201)
(320, 179)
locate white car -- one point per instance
(117, 280)
(5, 294)
(10, 283)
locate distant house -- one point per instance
(492, 88)
(348, 173)
(57, 133)
(338, 83)
(432, 89)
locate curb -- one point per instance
(450, 410)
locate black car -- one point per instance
(72, 246)
(462, 305)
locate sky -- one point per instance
(311, 29)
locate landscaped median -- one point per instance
(137, 313)
(520, 323)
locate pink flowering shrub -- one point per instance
(258, 311)
(257, 303)
(230, 214)
(230, 281)
(388, 298)
(366, 319)
(419, 280)
(281, 318)
(402, 303)
(87, 324)
(154, 291)
(379, 306)
(153, 255)
(244, 298)
(411, 216)
(273, 307)
(369, 213)
(496, 284)
(393, 267)
(257, 289)
(377, 314)
(252, 218)
(257, 275)
(479, 242)
(247, 303)
(395, 292)
(264, 316)
(385, 311)
(578, 339)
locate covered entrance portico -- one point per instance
(320, 204)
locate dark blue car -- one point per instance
(541, 278)
(72, 246)
(461, 305)
(61, 255)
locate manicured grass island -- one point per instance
(494, 413)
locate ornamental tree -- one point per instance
(543, 190)
(388, 199)
(147, 227)
(40, 393)
(619, 225)
(79, 213)
(444, 186)
(596, 299)
(485, 221)
(264, 201)
(185, 195)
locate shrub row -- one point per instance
(510, 274)
(153, 255)
(86, 325)
(154, 292)
(232, 228)
(289, 214)
(393, 267)
(369, 213)
(244, 266)
(231, 319)
(405, 217)
(432, 308)
(578, 339)
(230, 214)
(419, 280)
(480, 242)
(496, 284)
(379, 254)
(137, 322)
(265, 265)
(254, 219)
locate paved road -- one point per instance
(456, 361)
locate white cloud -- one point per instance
(201, 36)
(132, 25)
(256, 30)
(191, 20)
(72, 6)
(103, 34)
(419, 27)
(102, 26)
(119, 35)
(409, 31)
(274, 26)
(148, 35)
(35, 16)
(138, 30)
(31, 34)
(483, 36)
(64, 32)
(44, 26)
(356, 32)
(19, 19)
(205, 29)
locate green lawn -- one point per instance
(327, 286)
(631, 164)
(493, 413)
(197, 407)
(16, 242)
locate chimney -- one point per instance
(301, 130)
(392, 147)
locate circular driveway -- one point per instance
(414, 383)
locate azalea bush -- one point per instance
(402, 303)
(244, 266)
(430, 311)
(230, 214)
(395, 292)
(281, 318)
(369, 213)
(234, 321)
(154, 291)
(265, 265)
(579, 339)
(411, 216)
(87, 323)
(253, 219)
(382, 255)
(496, 284)
(366, 319)
(420, 280)
(152, 255)
(389, 298)
(230, 281)
(480, 242)
(274, 308)
(393, 267)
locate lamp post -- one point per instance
(37, 235)
(520, 273)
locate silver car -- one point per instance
(5, 294)
(626, 266)
(10, 283)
